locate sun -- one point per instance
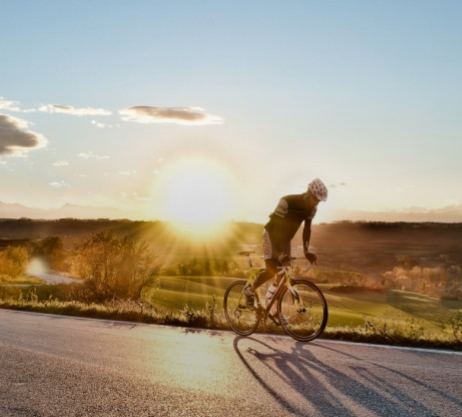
(196, 195)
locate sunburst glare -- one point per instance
(196, 196)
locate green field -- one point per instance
(176, 292)
(349, 310)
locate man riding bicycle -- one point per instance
(284, 222)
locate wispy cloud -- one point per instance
(178, 115)
(103, 125)
(9, 105)
(342, 184)
(91, 155)
(15, 137)
(60, 163)
(126, 173)
(13, 106)
(60, 184)
(134, 196)
(73, 111)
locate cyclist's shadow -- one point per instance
(305, 386)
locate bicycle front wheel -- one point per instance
(243, 321)
(302, 311)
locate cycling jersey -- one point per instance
(284, 222)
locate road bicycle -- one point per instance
(298, 306)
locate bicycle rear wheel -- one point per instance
(302, 311)
(243, 321)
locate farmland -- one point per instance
(396, 283)
(350, 310)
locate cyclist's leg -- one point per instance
(271, 266)
(271, 269)
(271, 255)
(268, 251)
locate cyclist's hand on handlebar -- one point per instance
(283, 258)
(311, 257)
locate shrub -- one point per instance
(113, 266)
(52, 250)
(454, 325)
(13, 261)
(394, 329)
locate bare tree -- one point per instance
(114, 266)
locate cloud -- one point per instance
(9, 105)
(103, 125)
(60, 184)
(12, 106)
(179, 115)
(91, 155)
(126, 173)
(99, 124)
(16, 139)
(60, 163)
(134, 196)
(84, 111)
(342, 184)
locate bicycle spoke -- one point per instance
(239, 317)
(303, 311)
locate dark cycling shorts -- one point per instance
(269, 249)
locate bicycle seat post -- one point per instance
(247, 254)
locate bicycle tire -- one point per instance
(242, 320)
(303, 311)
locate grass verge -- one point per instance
(380, 330)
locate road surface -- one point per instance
(59, 366)
(56, 279)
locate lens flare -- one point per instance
(37, 266)
(196, 196)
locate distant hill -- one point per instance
(344, 237)
(447, 214)
(236, 236)
(16, 211)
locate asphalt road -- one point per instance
(58, 366)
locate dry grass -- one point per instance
(20, 280)
(380, 330)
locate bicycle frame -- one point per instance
(301, 307)
(284, 272)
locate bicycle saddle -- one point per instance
(246, 253)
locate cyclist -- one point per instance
(284, 222)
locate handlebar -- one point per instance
(246, 253)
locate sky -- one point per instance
(157, 110)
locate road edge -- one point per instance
(214, 332)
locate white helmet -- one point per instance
(318, 189)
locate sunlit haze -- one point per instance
(197, 195)
(198, 113)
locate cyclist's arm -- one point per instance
(306, 241)
(306, 236)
